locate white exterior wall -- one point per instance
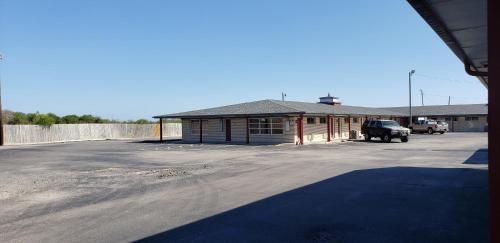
(238, 130)
(213, 133)
(336, 128)
(187, 136)
(461, 125)
(315, 133)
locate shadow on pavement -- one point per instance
(396, 204)
(480, 157)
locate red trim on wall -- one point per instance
(333, 126)
(300, 129)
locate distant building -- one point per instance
(274, 121)
(460, 118)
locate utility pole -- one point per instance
(449, 100)
(422, 95)
(283, 95)
(1, 113)
(409, 92)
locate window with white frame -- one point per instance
(265, 125)
(322, 120)
(311, 120)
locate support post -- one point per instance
(494, 117)
(300, 129)
(349, 125)
(333, 126)
(1, 114)
(328, 137)
(339, 121)
(161, 129)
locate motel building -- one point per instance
(275, 122)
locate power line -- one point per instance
(444, 79)
(457, 97)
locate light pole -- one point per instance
(422, 95)
(409, 92)
(1, 113)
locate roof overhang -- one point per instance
(229, 115)
(463, 26)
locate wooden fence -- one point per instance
(32, 134)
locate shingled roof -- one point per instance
(276, 107)
(443, 110)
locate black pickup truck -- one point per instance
(385, 130)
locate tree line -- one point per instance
(20, 118)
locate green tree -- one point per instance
(87, 119)
(18, 118)
(41, 119)
(46, 120)
(70, 119)
(142, 121)
(56, 118)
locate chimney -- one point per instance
(329, 100)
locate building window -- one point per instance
(311, 120)
(355, 120)
(322, 120)
(195, 127)
(266, 125)
(346, 119)
(447, 118)
(471, 118)
(455, 118)
(221, 125)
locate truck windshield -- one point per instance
(390, 124)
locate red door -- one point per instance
(228, 130)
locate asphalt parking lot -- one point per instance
(432, 189)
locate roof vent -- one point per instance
(329, 100)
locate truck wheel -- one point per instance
(411, 130)
(386, 138)
(368, 137)
(404, 139)
(430, 131)
(441, 132)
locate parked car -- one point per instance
(445, 125)
(428, 126)
(385, 130)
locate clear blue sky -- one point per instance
(135, 59)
